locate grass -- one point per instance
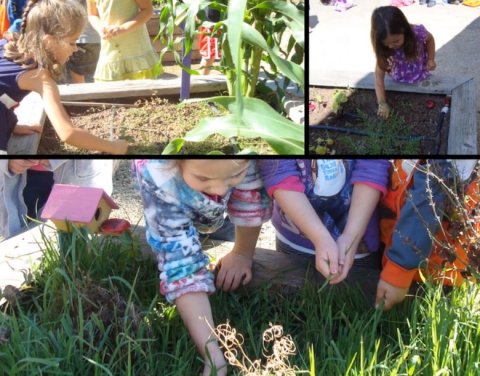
(95, 310)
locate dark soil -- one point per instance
(148, 125)
(410, 129)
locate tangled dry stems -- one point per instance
(277, 348)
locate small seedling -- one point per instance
(339, 98)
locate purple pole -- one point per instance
(185, 79)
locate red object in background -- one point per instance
(312, 106)
(115, 226)
(430, 104)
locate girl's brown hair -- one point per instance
(57, 18)
(386, 21)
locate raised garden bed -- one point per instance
(344, 121)
(460, 125)
(148, 125)
(31, 109)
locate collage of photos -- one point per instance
(164, 209)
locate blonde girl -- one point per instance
(182, 199)
(33, 59)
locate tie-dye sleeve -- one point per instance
(172, 236)
(249, 204)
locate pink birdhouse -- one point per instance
(82, 206)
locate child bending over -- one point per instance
(417, 227)
(182, 199)
(33, 59)
(406, 52)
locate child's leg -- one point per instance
(37, 190)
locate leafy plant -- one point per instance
(339, 98)
(251, 34)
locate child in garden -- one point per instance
(26, 184)
(421, 222)
(406, 52)
(183, 198)
(126, 52)
(32, 60)
(326, 208)
(209, 44)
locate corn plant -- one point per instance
(251, 33)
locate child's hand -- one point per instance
(19, 166)
(431, 65)
(347, 246)
(25, 130)
(112, 31)
(119, 146)
(383, 110)
(326, 257)
(234, 268)
(389, 295)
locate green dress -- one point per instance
(127, 56)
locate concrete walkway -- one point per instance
(340, 41)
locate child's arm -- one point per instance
(236, 266)
(93, 17)
(412, 237)
(383, 107)
(299, 210)
(196, 313)
(364, 201)
(41, 82)
(430, 42)
(145, 13)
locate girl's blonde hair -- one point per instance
(57, 18)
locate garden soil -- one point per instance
(411, 129)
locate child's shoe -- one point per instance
(431, 3)
(422, 2)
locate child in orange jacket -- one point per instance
(415, 229)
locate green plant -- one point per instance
(383, 136)
(252, 33)
(339, 98)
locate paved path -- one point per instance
(341, 40)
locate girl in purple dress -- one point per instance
(406, 52)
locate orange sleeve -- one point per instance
(396, 275)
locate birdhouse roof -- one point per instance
(74, 203)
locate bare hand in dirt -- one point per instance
(389, 295)
(25, 130)
(383, 110)
(347, 246)
(19, 166)
(431, 65)
(234, 269)
(326, 257)
(120, 146)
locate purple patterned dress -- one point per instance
(411, 71)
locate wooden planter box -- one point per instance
(31, 109)
(462, 135)
(153, 25)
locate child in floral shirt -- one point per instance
(183, 198)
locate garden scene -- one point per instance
(347, 119)
(92, 304)
(405, 93)
(245, 58)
